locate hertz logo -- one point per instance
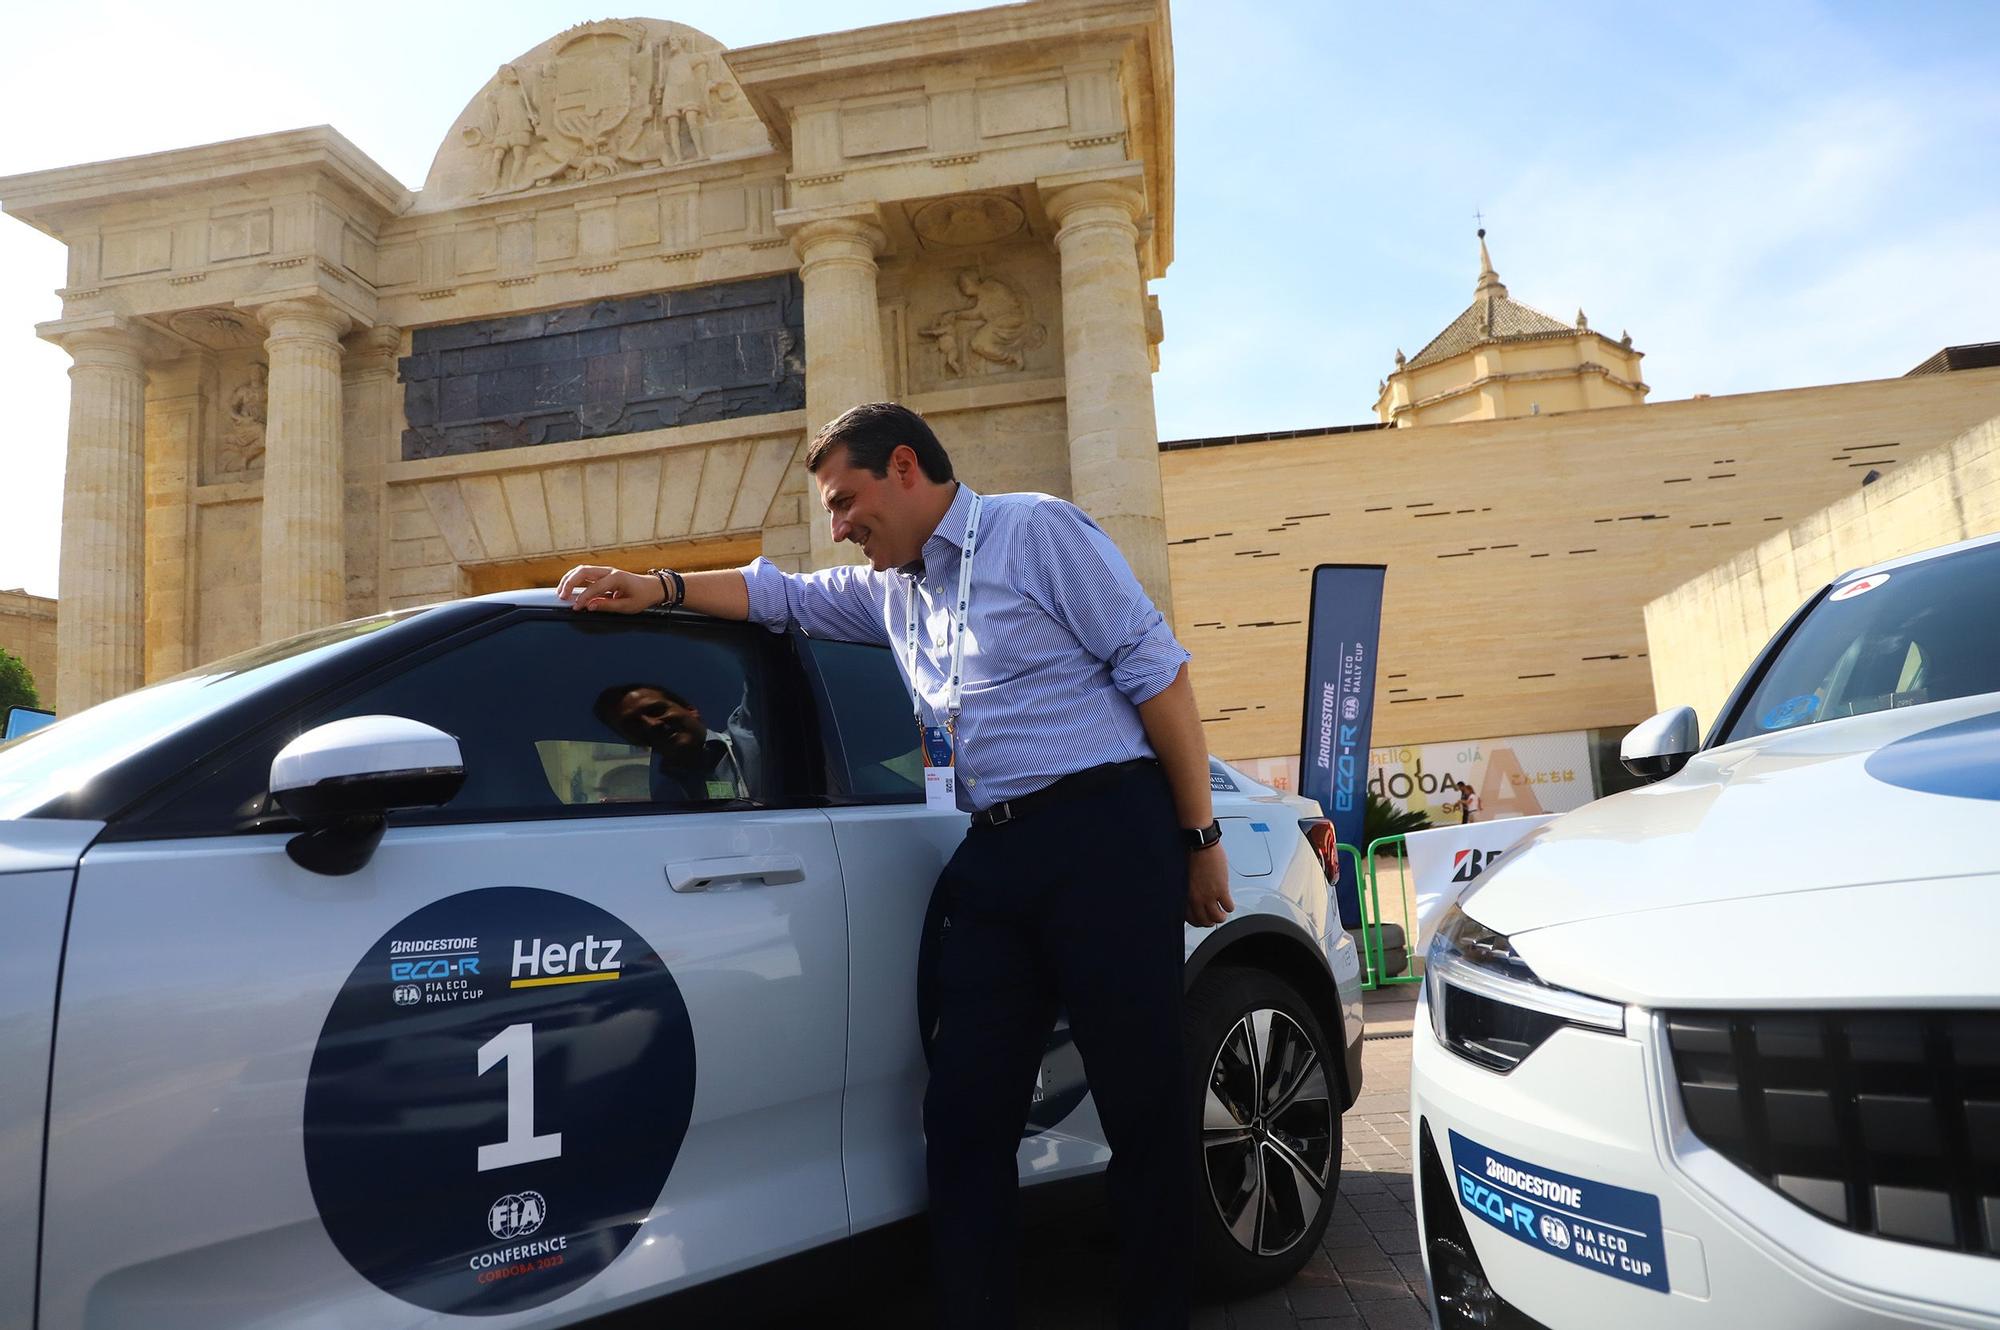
(588, 961)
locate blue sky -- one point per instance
(1767, 196)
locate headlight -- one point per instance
(1489, 1007)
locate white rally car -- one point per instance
(1725, 1050)
(496, 960)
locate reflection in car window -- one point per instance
(869, 720)
(66, 755)
(1924, 632)
(556, 715)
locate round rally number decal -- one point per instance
(496, 1099)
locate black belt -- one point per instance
(1076, 784)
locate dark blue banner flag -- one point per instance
(1340, 704)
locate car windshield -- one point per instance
(62, 757)
(1924, 632)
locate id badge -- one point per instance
(940, 774)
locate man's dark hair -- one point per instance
(873, 430)
(605, 708)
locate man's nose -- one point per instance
(841, 527)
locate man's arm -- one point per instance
(1173, 727)
(841, 603)
(723, 594)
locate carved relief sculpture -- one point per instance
(244, 411)
(614, 96)
(995, 331)
(684, 95)
(514, 122)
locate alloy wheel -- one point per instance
(1267, 1132)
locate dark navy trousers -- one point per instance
(1077, 906)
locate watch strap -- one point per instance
(1200, 838)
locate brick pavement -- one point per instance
(1367, 1274)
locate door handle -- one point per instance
(701, 874)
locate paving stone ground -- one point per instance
(1367, 1274)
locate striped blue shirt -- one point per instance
(1061, 645)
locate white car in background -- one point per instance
(375, 975)
(1725, 1050)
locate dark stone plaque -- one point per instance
(609, 367)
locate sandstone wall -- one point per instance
(1521, 552)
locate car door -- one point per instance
(892, 849)
(574, 1038)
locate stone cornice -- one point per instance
(47, 199)
(778, 77)
(1524, 376)
(765, 69)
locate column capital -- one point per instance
(1115, 195)
(376, 346)
(299, 317)
(109, 340)
(834, 232)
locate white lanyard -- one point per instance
(954, 693)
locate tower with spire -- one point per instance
(1501, 358)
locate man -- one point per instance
(1054, 704)
(1468, 803)
(689, 763)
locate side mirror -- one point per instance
(1658, 747)
(341, 778)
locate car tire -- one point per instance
(1265, 1181)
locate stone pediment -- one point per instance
(613, 98)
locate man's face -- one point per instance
(878, 513)
(649, 717)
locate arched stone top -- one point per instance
(611, 98)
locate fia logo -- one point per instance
(408, 995)
(516, 1215)
(1555, 1232)
(1350, 708)
(1468, 864)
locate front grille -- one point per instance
(1884, 1122)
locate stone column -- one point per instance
(844, 365)
(1114, 455)
(371, 437)
(101, 625)
(304, 572)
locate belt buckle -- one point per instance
(1000, 814)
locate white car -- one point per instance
(400, 970)
(1725, 1050)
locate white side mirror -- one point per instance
(366, 764)
(342, 777)
(1658, 747)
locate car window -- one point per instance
(77, 749)
(561, 716)
(1923, 632)
(868, 729)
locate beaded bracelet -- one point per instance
(671, 596)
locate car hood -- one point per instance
(1898, 798)
(29, 845)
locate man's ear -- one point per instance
(903, 461)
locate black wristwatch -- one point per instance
(1200, 838)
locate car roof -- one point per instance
(1921, 556)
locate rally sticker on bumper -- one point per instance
(1594, 1224)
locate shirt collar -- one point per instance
(950, 530)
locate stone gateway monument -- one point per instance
(642, 270)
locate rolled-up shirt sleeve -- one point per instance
(843, 604)
(1075, 572)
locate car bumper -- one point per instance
(1664, 1232)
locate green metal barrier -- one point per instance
(1360, 879)
(1374, 961)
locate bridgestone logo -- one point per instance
(434, 944)
(1535, 1186)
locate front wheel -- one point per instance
(1266, 1098)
